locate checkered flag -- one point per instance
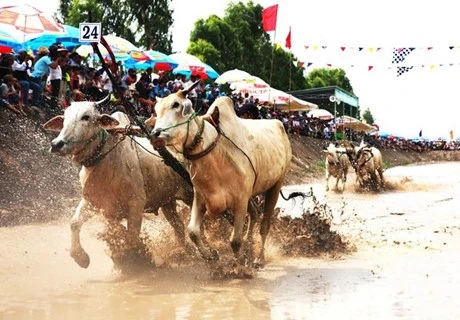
(400, 54)
(402, 70)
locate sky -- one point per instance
(424, 98)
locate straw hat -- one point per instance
(42, 50)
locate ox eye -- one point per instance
(85, 118)
(175, 105)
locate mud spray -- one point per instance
(309, 235)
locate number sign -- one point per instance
(90, 32)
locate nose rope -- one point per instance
(193, 116)
(87, 142)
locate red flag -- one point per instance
(288, 39)
(269, 17)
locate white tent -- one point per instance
(282, 100)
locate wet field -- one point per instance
(407, 241)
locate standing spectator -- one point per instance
(21, 67)
(42, 69)
(41, 52)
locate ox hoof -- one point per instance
(258, 264)
(213, 255)
(81, 258)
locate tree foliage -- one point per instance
(238, 41)
(145, 23)
(368, 117)
(323, 77)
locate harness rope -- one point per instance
(97, 156)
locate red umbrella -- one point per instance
(5, 49)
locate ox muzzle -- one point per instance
(56, 146)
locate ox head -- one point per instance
(80, 123)
(172, 115)
(333, 153)
(364, 164)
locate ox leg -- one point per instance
(195, 229)
(249, 236)
(344, 180)
(81, 215)
(134, 218)
(239, 215)
(174, 220)
(382, 181)
(271, 197)
(327, 180)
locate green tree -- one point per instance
(368, 117)
(145, 23)
(324, 77)
(238, 41)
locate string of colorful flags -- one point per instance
(269, 19)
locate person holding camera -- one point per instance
(20, 67)
(42, 68)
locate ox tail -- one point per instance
(296, 194)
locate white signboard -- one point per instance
(90, 32)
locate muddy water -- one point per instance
(405, 266)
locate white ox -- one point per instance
(369, 166)
(337, 163)
(230, 160)
(119, 177)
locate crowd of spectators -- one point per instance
(55, 76)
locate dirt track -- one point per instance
(405, 266)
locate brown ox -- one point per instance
(369, 167)
(337, 164)
(120, 177)
(229, 161)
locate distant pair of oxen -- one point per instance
(366, 160)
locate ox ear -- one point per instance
(55, 124)
(150, 122)
(107, 122)
(187, 108)
(213, 118)
(187, 90)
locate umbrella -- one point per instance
(190, 65)
(25, 22)
(151, 58)
(119, 46)
(68, 38)
(254, 85)
(322, 114)
(234, 75)
(358, 126)
(8, 43)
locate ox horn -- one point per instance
(102, 101)
(187, 90)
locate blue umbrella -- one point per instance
(191, 65)
(69, 39)
(153, 59)
(7, 40)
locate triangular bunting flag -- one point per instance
(369, 68)
(402, 70)
(400, 54)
